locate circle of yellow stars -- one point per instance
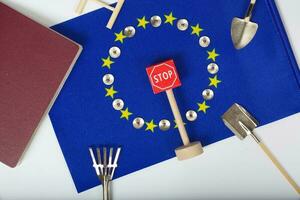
(142, 23)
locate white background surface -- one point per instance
(230, 169)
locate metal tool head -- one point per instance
(105, 165)
(242, 32)
(239, 121)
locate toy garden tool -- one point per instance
(242, 124)
(105, 168)
(115, 10)
(243, 30)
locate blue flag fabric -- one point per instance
(263, 77)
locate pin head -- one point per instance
(118, 104)
(129, 31)
(155, 21)
(213, 68)
(204, 41)
(191, 115)
(164, 125)
(208, 94)
(108, 79)
(182, 24)
(138, 123)
(114, 52)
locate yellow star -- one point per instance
(214, 81)
(107, 62)
(125, 114)
(196, 30)
(203, 107)
(170, 18)
(119, 37)
(212, 55)
(176, 126)
(110, 92)
(150, 126)
(142, 22)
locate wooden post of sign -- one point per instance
(116, 10)
(183, 134)
(188, 150)
(163, 78)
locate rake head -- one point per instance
(105, 166)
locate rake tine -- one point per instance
(95, 165)
(110, 160)
(115, 161)
(99, 160)
(105, 161)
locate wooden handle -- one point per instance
(249, 11)
(177, 116)
(81, 6)
(105, 5)
(115, 14)
(279, 167)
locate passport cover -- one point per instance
(34, 61)
(262, 77)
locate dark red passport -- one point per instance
(34, 62)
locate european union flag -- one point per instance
(108, 100)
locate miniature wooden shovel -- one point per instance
(242, 124)
(164, 77)
(243, 30)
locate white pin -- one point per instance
(129, 31)
(204, 41)
(182, 24)
(138, 123)
(213, 68)
(114, 52)
(108, 79)
(118, 104)
(208, 94)
(116, 10)
(191, 115)
(155, 21)
(164, 125)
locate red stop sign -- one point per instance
(163, 76)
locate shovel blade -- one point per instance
(239, 121)
(242, 32)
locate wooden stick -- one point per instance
(279, 167)
(115, 14)
(177, 116)
(81, 6)
(105, 5)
